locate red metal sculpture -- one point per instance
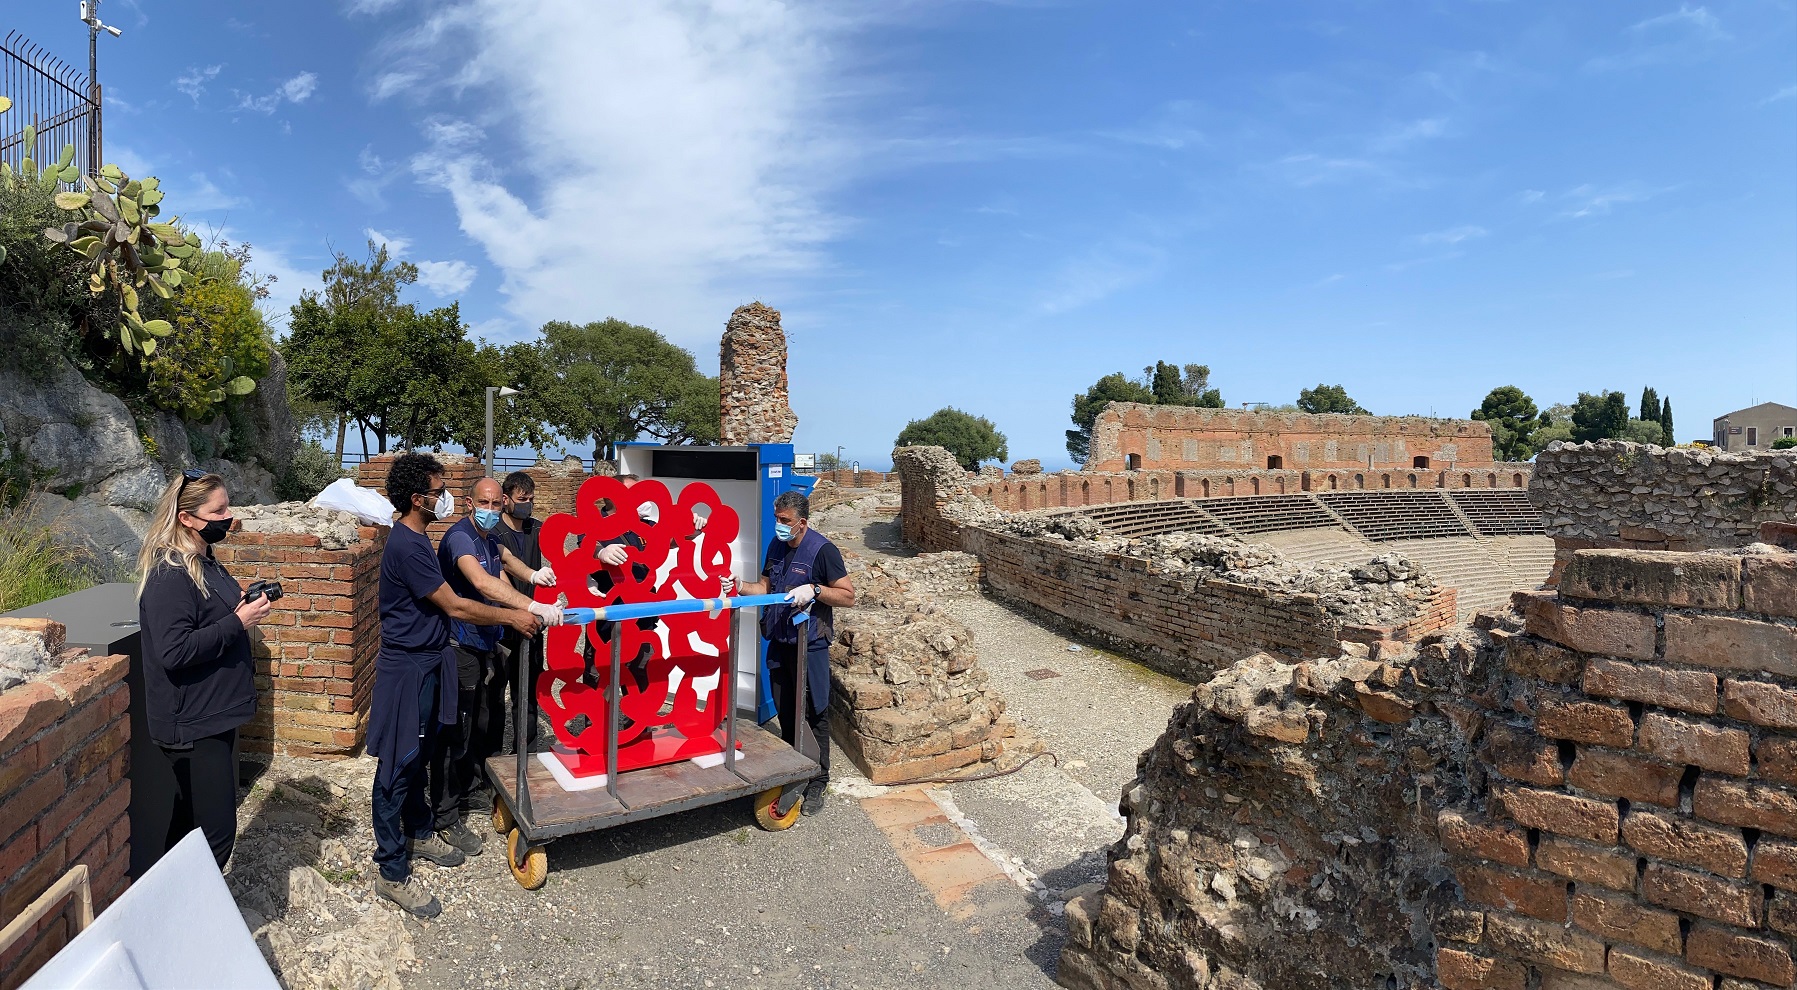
(672, 703)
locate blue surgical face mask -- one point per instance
(486, 518)
(783, 532)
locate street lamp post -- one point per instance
(838, 466)
(90, 15)
(504, 393)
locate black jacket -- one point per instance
(199, 679)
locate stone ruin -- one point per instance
(752, 378)
(907, 692)
(1596, 789)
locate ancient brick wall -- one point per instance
(63, 794)
(1070, 489)
(556, 487)
(1624, 495)
(1131, 435)
(315, 653)
(1601, 792)
(752, 378)
(460, 472)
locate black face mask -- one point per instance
(521, 510)
(216, 529)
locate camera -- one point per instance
(270, 588)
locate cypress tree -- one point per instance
(1666, 420)
(1650, 404)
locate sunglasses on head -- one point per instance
(191, 474)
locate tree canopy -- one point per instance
(1603, 416)
(1329, 399)
(971, 439)
(1162, 383)
(1514, 422)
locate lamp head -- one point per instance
(506, 393)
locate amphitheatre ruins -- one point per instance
(1406, 717)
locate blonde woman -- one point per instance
(199, 683)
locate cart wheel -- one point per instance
(502, 817)
(535, 869)
(764, 811)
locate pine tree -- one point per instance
(1666, 420)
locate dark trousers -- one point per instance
(456, 769)
(401, 809)
(206, 793)
(515, 642)
(818, 709)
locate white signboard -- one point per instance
(804, 460)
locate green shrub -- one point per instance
(43, 290)
(1784, 443)
(313, 468)
(34, 566)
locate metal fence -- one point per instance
(50, 95)
(501, 465)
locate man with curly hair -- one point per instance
(415, 682)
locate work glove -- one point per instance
(614, 555)
(727, 586)
(550, 614)
(699, 521)
(801, 596)
(543, 576)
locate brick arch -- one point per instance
(1085, 493)
(1154, 488)
(1204, 486)
(1386, 480)
(1491, 480)
(1360, 481)
(1254, 483)
(1334, 483)
(1466, 481)
(1413, 479)
(1516, 480)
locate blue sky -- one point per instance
(990, 204)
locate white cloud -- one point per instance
(1312, 169)
(200, 195)
(445, 278)
(1530, 196)
(1788, 93)
(1589, 200)
(1696, 19)
(1099, 273)
(295, 90)
(369, 7)
(392, 84)
(666, 201)
(1400, 136)
(396, 246)
(1452, 235)
(193, 81)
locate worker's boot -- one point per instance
(435, 850)
(409, 894)
(815, 793)
(461, 837)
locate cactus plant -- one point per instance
(130, 250)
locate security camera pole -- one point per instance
(90, 15)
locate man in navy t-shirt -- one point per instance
(473, 560)
(809, 569)
(415, 680)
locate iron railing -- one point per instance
(50, 95)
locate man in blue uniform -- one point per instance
(804, 565)
(519, 534)
(415, 680)
(473, 561)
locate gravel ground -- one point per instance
(705, 899)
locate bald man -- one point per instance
(473, 560)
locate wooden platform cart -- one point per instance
(531, 809)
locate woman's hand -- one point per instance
(253, 611)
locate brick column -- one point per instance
(63, 792)
(315, 653)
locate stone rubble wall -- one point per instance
(315, 653)
(1598, 792)
(908, 697)
(752, 378)
(63, 792)
(1620, 495)
(1176, 437)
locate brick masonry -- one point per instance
(752, 378)
(460, 472)
(1137, 436)
(315, 653)
(1566, 804)
(1072, 489)
(63, 792)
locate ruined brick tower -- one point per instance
(752, 377)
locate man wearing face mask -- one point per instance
(416, 680)
(808, 569)
(475, 563)
(518, 533)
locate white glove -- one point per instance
(727, 586)
(550, 614)
(699, 521)
(543, 576)
(802, 595)
(615, 555)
